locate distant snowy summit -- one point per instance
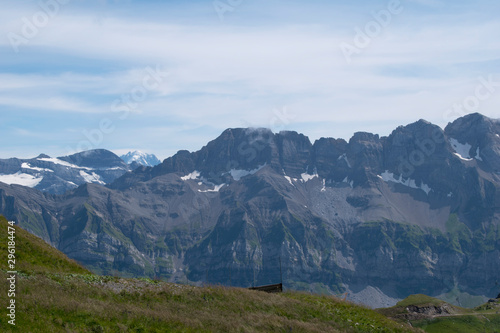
(140, 158)
(60, 174)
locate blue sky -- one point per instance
(160, 76)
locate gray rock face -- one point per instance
(414, 212)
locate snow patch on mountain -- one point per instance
(347, 181)
(202, 181)
(477, 157)
(389, 177)
(71, 183)
(91, 178)
(462, 158)
(193, 175)
(238, 174)
(307, 177)
(20, 178)
(113, 168)
(215, 189)
(63, 163)
(461, 150)
(28, 166)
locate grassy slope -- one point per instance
(55, 294)
(419, 299)
(55, 304)
(484, 318)
(34, 254)
(462, 324)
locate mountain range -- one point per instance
(58, 175)
(378, 217)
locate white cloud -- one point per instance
(225, 75)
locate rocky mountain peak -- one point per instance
(236, 148)
(96, 158)
(475, 137)
(472, 127)
(141, 158)
(366, 137)
(418, 130)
